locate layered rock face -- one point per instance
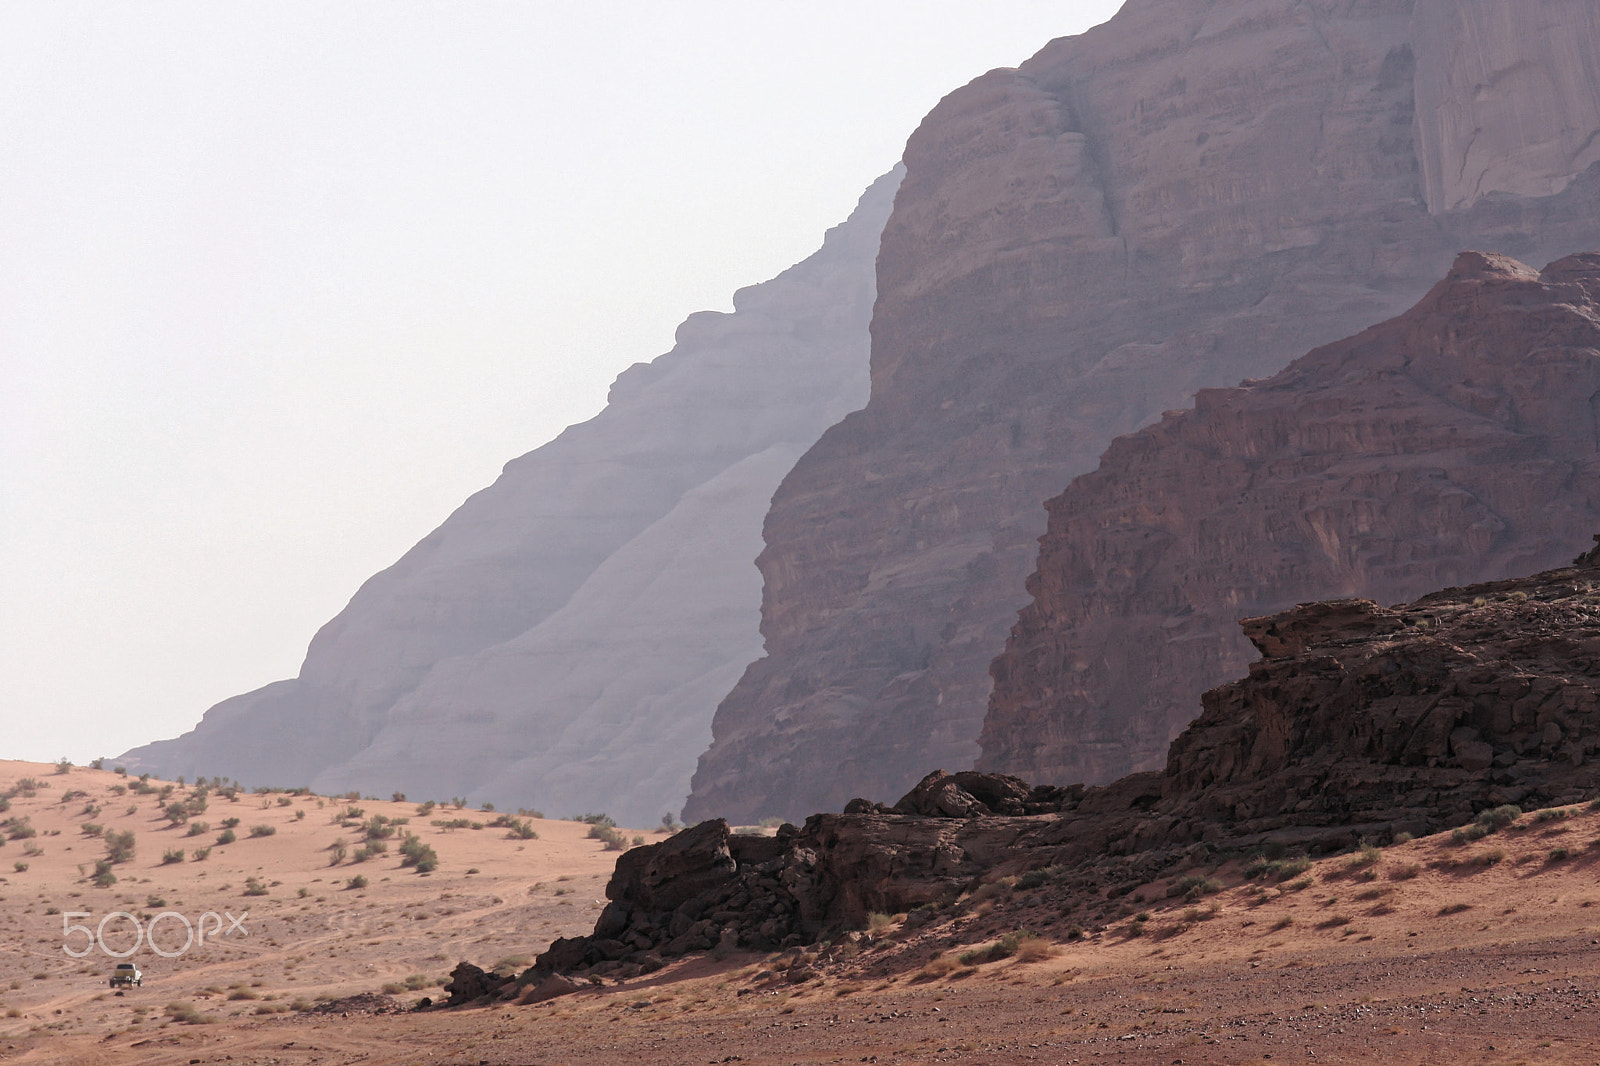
(1359, 722)
(563, 638)
(1458, 442)
(1192, 194)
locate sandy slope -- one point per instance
(1425, 955)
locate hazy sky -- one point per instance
(282, 283)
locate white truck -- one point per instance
(126, 974)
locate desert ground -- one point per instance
(1435, 950)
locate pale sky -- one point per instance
(282, 283)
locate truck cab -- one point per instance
(126, 974)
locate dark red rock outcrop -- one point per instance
(1458, 442)
(1361, 722)
(1192, 194)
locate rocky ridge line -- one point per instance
(1359, 722)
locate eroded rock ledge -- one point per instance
(1359, 721)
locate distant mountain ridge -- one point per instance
(1192, 194)
(563, 638)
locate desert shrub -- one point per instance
(336, 852)
(263, 830)
(936, 967)
(1467, 834)
(284, 801)
(1193, 887)
(356, 882)
(187, 1014)
(1037, 878)
(197, 829)
(97, 764)
(413, 852)
(371, 849)
(426, 809)
(1279, 869)
(378, 828)
(200, 855)
(1405, 871)
(119, 846)
(1498, 818)
(451, 823)
(91, 829)
(1454, 908)
(608, 835)
(172, 855)
(226, 837)
(63, 765)
(879, 924)
(254, 887)
(1558, 855)
(103, 877)
(20, 867)
(230, 823)
(520, 829)
(1367, 855)
(1403, 837)
(18, 828)
(1492, 857)
(593, 819)
(1551, 814)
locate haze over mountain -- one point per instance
(1457, 443)
(563, 638)
(1191, 194)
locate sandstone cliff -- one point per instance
(1358, 723)
(562, 639)
(1458, 442)
(1195, 193)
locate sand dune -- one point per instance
(1430, 951)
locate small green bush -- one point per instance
(356, 882)
(226, 837)
(119, 846)
(1499, 817)
(413, 852)
(1193, 887)
(263, 830)
(172, 855)
(609, 836)
(520, 829)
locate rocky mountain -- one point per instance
(1458, 442)
(1192, 194)
(1358, 723)
(562, 639)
